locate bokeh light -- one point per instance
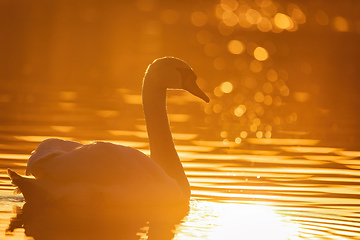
(283, 21)
(321, 17)
(261, 54)
(253, 54)
(199, 19)
(236, 47)
(226, 87)
(340, 24)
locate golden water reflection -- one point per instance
(213, 220)
(254, 188)
(236, 201)
(283, 189)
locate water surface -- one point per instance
(281, 188)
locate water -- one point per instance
(274, 155)
(262, 188)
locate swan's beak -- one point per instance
(193, 88)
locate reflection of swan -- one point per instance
(54, 222)
(105, 174)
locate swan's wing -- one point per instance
(99, 162)
(124, 173)
(48, 148)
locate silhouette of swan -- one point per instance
(105, 174)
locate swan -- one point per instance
(105, 174)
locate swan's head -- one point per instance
(174, 73)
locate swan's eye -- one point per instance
(187, 74)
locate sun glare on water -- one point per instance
(216, 221)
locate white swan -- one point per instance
(103, 173)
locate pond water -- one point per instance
(274, 155)
(281, 188)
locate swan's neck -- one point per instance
(162, 148)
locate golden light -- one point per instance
(278, 120)
(236, 47)
(64, 129)
(340, 24)
(268, 87)
(199, 19)
(208, 110)
(267, 134)
(269, 8)
(139, 134)
(230, 19)
(240, 110)
(226, 87)
(321, 18)
(268, 128)
(349, 153)
(255, 66)
(67, 105)
(226, 142)
(132, 99)
(107, 113)
(317, 150)
(259, 110)
(261, 54)
(223, 134)
(217, 108)
(37, 138)
(14, 156)
(272, 75)
(277, 101)
(229, 5)
(218, 92)
(219, 10)
(257, 121)
(301, 96)
(297, 15)
(259, 134)
(284, 90)
(243, 134)
(264, 25)
(268, 100)
(235, 221)
(259, 97)
(264, 3)
(173, 117)
(95, 49)
(253, 128)
(253, 16)
(283, 21)
(68, 96)
(219, 63)
(243, 22)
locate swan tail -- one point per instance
(26, 186)
(14, 180)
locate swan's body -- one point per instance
(68, 172)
